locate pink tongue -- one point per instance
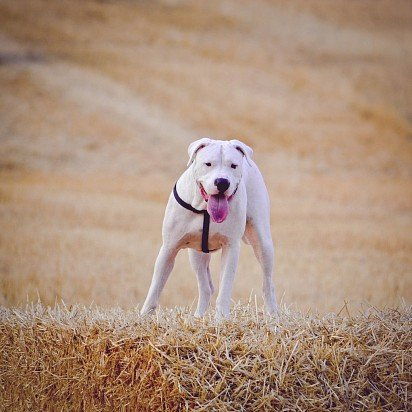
(218, 208)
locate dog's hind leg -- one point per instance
(259, 236)
(200, 264)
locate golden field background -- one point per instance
(100, 99)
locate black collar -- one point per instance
(206, 219)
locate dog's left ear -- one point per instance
(195, 147)
(244, 149)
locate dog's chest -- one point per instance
(193, 240)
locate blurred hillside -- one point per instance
(100, 99)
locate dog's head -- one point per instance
(218, 167)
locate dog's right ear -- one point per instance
(244, 149)
(195, 147)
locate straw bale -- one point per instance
(86, 358)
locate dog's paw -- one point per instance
(222, 316)
(147, 312)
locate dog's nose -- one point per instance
(222, 184)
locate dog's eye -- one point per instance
(233, 166)
(208, 164)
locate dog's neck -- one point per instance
(188, 189)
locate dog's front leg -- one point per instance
(230, 257)
(200, 264)
(163, 266)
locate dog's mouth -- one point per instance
(203, 192)
(217, 205)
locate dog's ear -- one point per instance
(244, 149)
(195, 147)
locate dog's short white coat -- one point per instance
(248, 218)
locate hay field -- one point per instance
(98, 103)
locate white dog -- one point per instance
(222, 183)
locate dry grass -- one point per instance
(81, 358)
